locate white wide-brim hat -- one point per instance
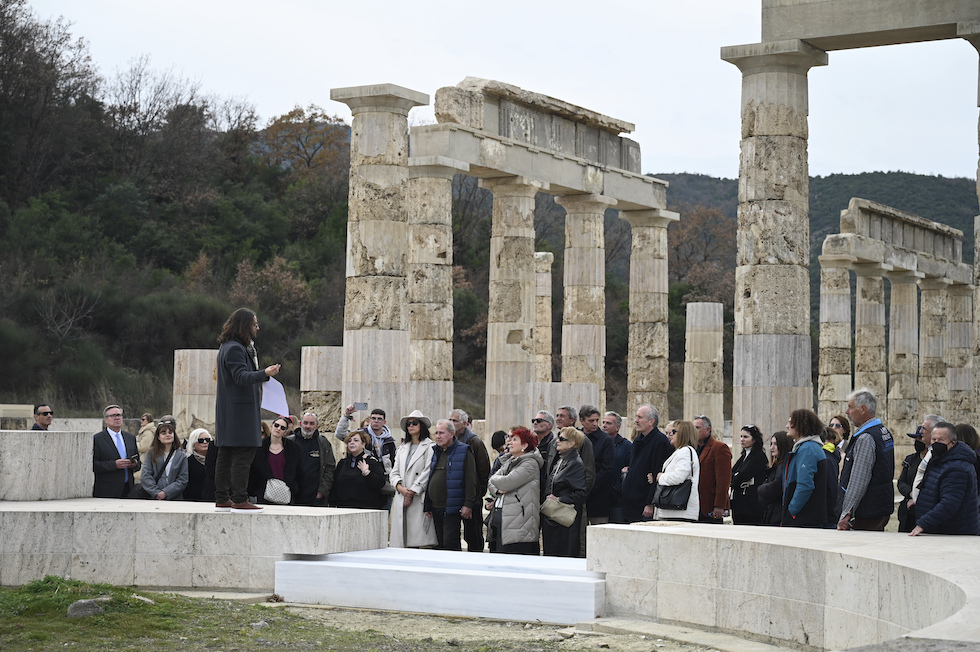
(417, 414)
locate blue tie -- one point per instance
(121, 447)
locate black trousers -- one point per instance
(447, 529)
(473, 529)
(231, 473)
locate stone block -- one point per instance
(834, 361)
(460, 106)
(773, 233)
(869, 359)
(512, 258)
(648, 307)
(835, 335)
(167, 571)
(772, 299)
(379, 138)
(367, 351)
(682, 602)
(703, 378)
(585, 266)
(795, 620)
(583, 228)
(649, 243)
(195, 371)
(585, 304)
(648, 340)
(511, 302)
(326, 405)
(430, 244)
(703, 347)
(107, 532)
(27, 458)
(430, 284)
(583, 369)
(377, 194)
(431, 321)
(773, 168)
(375, 302)
(742, 611)
(321, 368)
(194, 411)
(647, 275)
(377, 248)
(631, 595)
(431, 360)
(765, 405)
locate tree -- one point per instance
(701, 249)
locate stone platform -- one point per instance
(507, 587)
(820, 589)
(157, 544)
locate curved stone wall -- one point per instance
(821, 589)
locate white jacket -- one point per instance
(681, 465)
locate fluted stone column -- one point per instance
(959, 353)
(430, 282)
(543, 261)
(772, 289)
(377, 352)
(195, 389)
(511, 314)
(583, 333)
(903, 357)
(647, 361)
(835, 381)
(933, 384)
(870, 356)
(703, 360)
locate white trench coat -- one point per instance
(410, 527)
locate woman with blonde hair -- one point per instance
(566, 484)
(681, 470)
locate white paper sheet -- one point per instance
(274, 397)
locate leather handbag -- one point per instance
(277, 492)
(674, 496)
(561, 513)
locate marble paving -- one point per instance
(545, 589)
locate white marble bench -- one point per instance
(160, 544)
(546, 589)
(820, 588)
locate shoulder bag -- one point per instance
(675, 496)
(277, 492)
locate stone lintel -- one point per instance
(572, 202)
(852, 222)
(655, 217)
(904, 276)
(388, 98)
(774, 56)
(494, 184)
(491, 156)
(871, 269)
(420, 167)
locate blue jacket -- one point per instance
(805, 485)
(947, 501)
(456, 479)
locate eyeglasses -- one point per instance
(538, 420)
(277, 426)
(46, 414)
(671, 432)
(204, 441)
(413, 422)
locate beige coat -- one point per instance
(519, 482)
(410, 527)
(143, 441)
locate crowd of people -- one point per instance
(547, 482)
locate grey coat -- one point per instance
(236, 414)
(173, 483)
(519, 481)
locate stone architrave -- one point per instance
(870, 355)
(321, 383)
(430, 283)
(959, 353)
(772, 366)
(583, 334)
(903, 355)
(377, 351)
(933, 383)
(511, 314)
(647, 362)
(195, 389)
(835, 381)
(703, 360)
(543, 261)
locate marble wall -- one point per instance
(45, 465)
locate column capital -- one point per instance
(904, 276)
(934, 283)
(653, 217)
(960, 289)
(579, 202)
(514, 186)
(440, 167)
(836, 262)
(792, 55)
(543, 261)
(871, 269)
(385, 98)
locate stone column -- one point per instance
(321, 383)
(430, 282)
(772, 286)
(647, 362)
(835, 337)
(511, 314)
(195, 389)
(376, 336)
(903, 357)
(870, 357)
(959, 353)
(542, 316)
(583, 333)
(703, 359)
(976, 322)
(933, 384)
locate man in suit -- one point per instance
(114, 457)
(715, 458)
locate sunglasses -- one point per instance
(538, 420)
(414, 422)
(46, 414)
(280, 427)
(204, 441)
(837, 426)
(560, 438)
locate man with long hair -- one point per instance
(237, 428)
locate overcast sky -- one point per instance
(654, 63)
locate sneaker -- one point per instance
(224, 506)
(246, 508)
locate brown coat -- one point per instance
(716, 475)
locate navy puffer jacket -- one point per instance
(947, 501)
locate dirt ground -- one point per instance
(483, 634)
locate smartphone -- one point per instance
(360, 406)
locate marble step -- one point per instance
(505, 587)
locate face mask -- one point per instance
(938, 450)
(920, 446)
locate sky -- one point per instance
(654, 63)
